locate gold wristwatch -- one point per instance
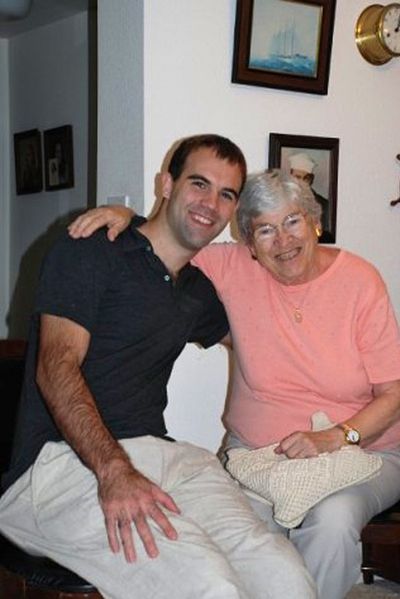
(351, 435)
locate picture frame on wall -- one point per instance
(28, 161)
(58, 158)
(314, 160)
(284, 44)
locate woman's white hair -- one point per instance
(271, 190)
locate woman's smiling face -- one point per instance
(285, 243)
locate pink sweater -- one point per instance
(284, 370)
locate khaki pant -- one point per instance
(328, 539)
(223, 550)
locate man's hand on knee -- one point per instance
(127, 496)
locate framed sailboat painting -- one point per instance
(284, 44)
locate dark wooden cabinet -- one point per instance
(381, 546)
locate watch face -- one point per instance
(390, 28)
(353, 436)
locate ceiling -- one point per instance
(41, 13)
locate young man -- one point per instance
(92, 471)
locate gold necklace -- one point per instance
(296, 308)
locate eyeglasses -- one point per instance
(293, 224)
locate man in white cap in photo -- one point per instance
(302, 168)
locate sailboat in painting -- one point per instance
(284, 54)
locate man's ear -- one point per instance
(166, 185)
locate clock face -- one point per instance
(390, 28)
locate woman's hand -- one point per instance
(310, 444)
(115, 218)
(372, 421)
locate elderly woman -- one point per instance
(312, 330)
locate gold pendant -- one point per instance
(298, 315)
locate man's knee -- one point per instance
(210, 576)
(271, 561)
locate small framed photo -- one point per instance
(28, 161)
(285, 44)
(58, 158)
(314, 160)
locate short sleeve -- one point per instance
(212, 324)
(73, 278)
(378, 333)
(213, 260)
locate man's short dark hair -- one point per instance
(223, 147)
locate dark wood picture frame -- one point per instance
(28, 161)
(269, 52)
(324, 153)
(58, 158)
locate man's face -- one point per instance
(301, 175)
(203, 199)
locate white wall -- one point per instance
(188, 57)
(48, 88)
(120, 107)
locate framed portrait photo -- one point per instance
(313, 160)
(58, 158)
(28, 162)
(285, 44)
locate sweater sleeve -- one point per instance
(377, 331)
(214, 260)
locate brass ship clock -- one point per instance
(378, 33)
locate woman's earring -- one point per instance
(318, 231)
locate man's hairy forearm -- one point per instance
(75, 412)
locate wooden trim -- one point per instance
(12, 348)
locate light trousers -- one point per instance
(223, 549)
(328, 538)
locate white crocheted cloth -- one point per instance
(293, 486)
